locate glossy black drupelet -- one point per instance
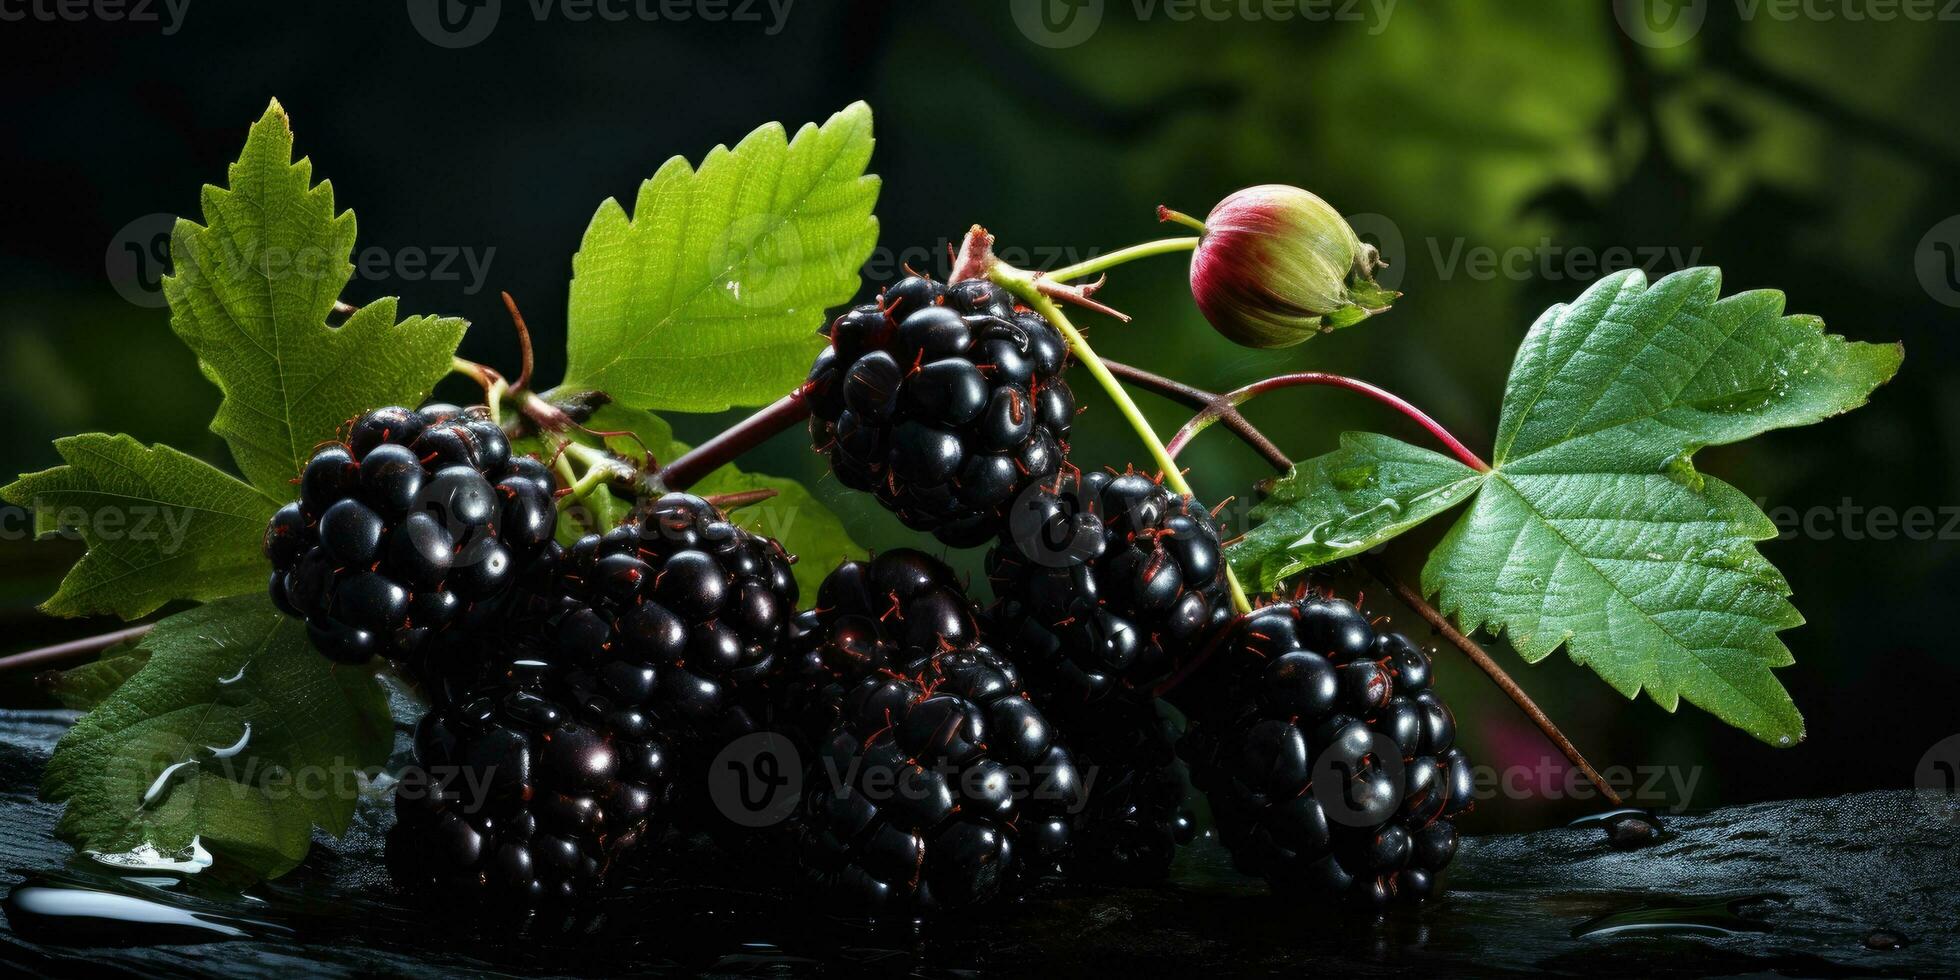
(946, 402)
(871, 617)
(939, 785)
(677, 616)
(523, 794)
(1329, 761)
(1112, 579)
(1136, 816)
(414, 525)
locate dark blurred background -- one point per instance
(1503, 155)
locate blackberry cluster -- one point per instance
(641, 651)
(678, 614)
(417, 522)
(525, 791)
(1329, 762)
(940, 785)
(945, 402)
(1123, 576)
(1135, 818)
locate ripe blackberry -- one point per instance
(523, 794)
(1329, 761)
(946, 402)
(1124, 576)
(871, 617)
(939, 784)
(415, 522)
(1136, 817)
(678, 612)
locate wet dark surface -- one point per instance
(1860, 885)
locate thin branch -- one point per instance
(1482, 659)
(523, 344)
(61, 654)
(733, 441)
(1220, 404)
(1178, 391)
(740, 498)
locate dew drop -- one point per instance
(1349, 478)
(234, 748)
(160, 787)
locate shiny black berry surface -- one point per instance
(675, 617)
(938, 782)
(524, 793)
(946, 402)
(1114, 580)
(416, 522)
(1329, 761)
(1137, 815)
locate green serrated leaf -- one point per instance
(794, 517)
(159, 526)
(710, 294)
(1343, 503)
(82, 688)
(250, 293)
(1596, 533)
(235, 733)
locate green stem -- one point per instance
(1022, 285)
(1100, 263)
(1167, 214)
(592, 478)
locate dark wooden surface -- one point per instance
(1799, 888)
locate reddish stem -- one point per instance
(687, 468)
(1482, 659)
(61, 653)
(1215, 409)
(740, 498)
(523, 344)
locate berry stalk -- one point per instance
(58, 654)
(1023, 286)
(1101, 263)
(1215, 409)
(687, 468)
